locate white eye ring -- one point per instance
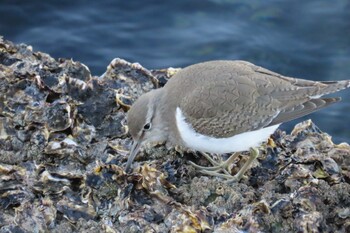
(147, 126)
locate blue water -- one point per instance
(305, 39)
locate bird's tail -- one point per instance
(333, 86)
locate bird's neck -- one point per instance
(166, 110)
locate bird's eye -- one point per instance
(147, 126)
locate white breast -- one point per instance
(204, 143)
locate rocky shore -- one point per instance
(64, 142)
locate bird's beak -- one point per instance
(133, 152)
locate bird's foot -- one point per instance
(222, 169)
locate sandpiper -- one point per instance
(224, 107)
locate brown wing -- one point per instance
(242, 97)
(303, 109)
(223, 111)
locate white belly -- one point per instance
(204, 143)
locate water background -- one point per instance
(305, 39)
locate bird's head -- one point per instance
(144, 123)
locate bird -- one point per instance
(224, 106)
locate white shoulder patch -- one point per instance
(204, 143)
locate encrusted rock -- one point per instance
(64, 142)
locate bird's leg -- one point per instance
(217, 167)
(224, 167)
(254, 153)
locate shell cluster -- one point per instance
(64, 141)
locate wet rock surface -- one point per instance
(64, 142)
